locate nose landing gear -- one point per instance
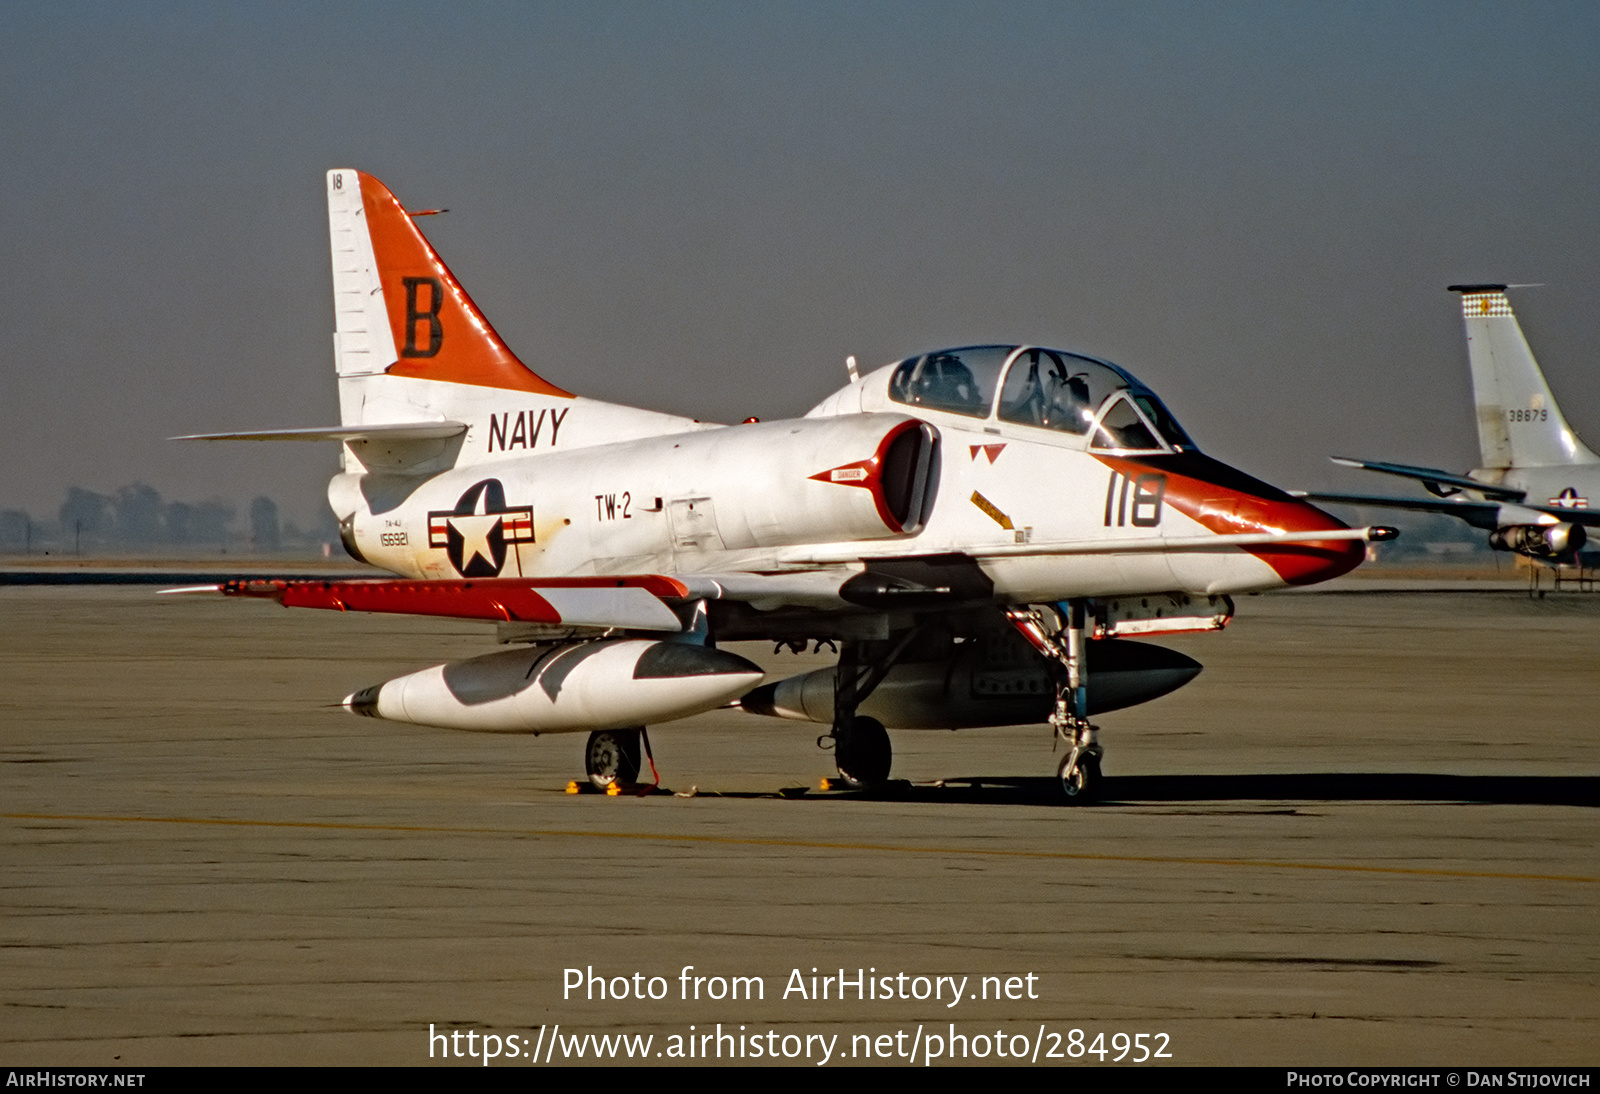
(1079, 773)
(1062, 641)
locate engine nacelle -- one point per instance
(1547, 541)
(818, 480)
(972, 687)
(576, 687)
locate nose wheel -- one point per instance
(1079, 776)
(1062, 638)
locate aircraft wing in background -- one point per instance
(1441, 484)
(1479, 514)
(1488, 515)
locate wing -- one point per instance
(537, 608)
(625, 603)
(1487, 515)
(1479, 514)
(1142, 544)
(651, 602)
(1439, 483)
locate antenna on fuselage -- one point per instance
(850, 367)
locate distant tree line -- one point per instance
(137, 519)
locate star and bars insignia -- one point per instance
(475, 534)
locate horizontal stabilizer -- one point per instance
(628, 603)
(395, 431)
(1439, 483)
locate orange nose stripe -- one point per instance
(1228, 502)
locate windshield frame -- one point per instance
(1162, 426)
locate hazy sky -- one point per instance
(704, 207)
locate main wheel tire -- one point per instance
(612, 757)
(1082, 783)
(863, 753)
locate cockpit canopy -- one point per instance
(1044, 388)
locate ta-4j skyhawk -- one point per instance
(979, 530)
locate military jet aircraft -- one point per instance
(1532, 491)
(978, 530)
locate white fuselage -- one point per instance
(1571, 486)
(789, 495)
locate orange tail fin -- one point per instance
(400, 311)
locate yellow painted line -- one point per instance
(812, 845)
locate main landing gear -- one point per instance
(612, 757)
(1063, 641)
(861, 748)
(862, 752)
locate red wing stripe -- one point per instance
(459, 600)
(508, 599)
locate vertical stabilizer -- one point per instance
(399, 312)
(1519, 424)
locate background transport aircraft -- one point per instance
(1532, 491)
(977, 530)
